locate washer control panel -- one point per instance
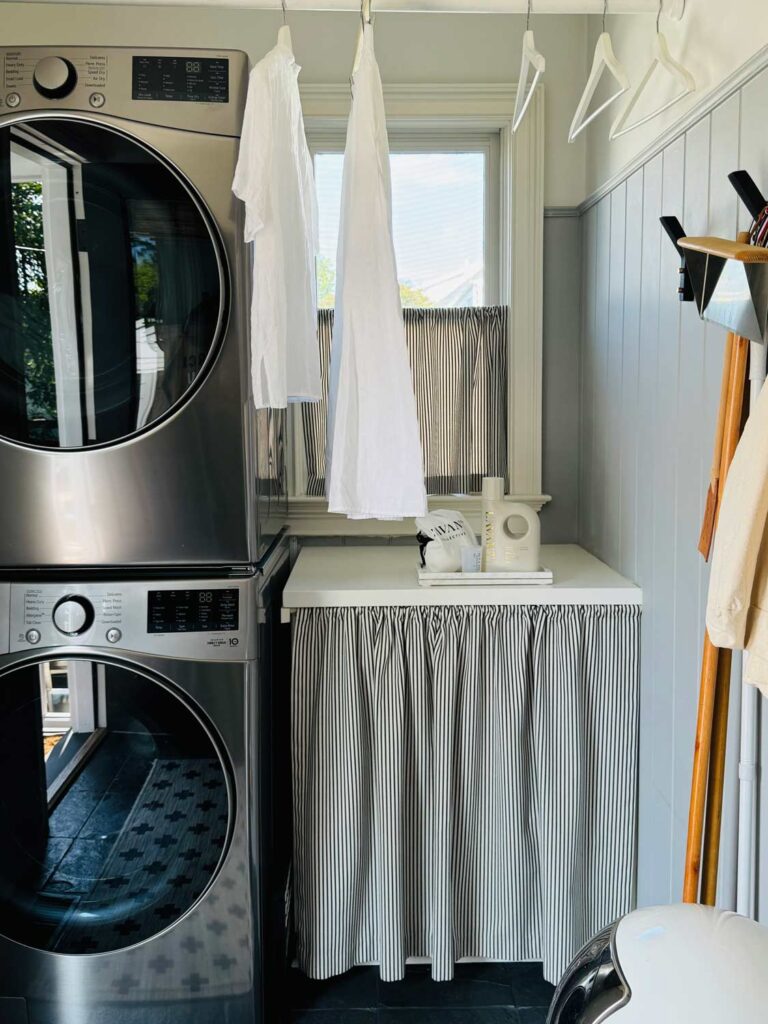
(202, 620)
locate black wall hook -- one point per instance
(674, 229)
(748, 192)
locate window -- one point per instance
(439, 223)
(468, 243)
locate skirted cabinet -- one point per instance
(464, 762)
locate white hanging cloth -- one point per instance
(374, 463)
(275, 180)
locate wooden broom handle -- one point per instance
(725, 382)
(709, 660)
(716, 774)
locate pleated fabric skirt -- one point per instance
(464, 783)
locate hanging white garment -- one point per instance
(374, 462)
(275, 180)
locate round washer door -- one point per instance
(115, 807)
(113, 288)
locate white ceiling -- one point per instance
(673, 8)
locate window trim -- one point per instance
(458, 111)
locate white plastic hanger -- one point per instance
(663, 59)
(366, 18)
(604, 59)
(531, 59)
(284, 33)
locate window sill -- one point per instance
(309, 517)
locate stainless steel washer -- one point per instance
(133, 861)
(127, 437)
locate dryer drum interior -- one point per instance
(112, 285)
(115, 809)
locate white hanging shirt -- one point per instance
(374, 463)
(274, 178)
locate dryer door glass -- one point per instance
(115, 809)
(112, 288)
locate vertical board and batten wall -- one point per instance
(650, 384)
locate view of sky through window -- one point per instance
(438, 218)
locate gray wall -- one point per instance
(562, 299)
(650, 380)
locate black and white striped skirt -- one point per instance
(464, 783)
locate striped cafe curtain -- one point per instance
(464, 783)
(459, 366)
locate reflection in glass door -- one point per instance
(111, 285)
(113, 843)
(73, 718)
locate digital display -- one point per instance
(192, 611)
(199, 80)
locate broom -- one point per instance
(710, 508)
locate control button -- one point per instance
(55, 77)
(97, 99)
(33, 636)
(73, 615)
(13, 99)
(114, 635)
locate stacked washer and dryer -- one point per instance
(141, 557)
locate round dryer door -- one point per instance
(112, 285)
(115, 807)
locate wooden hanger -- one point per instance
(531, 59)
(604, 59)
(662, 60)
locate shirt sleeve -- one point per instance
(740, 528)
(252, 174)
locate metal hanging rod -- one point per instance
(672, 8)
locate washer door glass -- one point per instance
(111, 285)
(115, 810)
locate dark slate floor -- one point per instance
(479, 994)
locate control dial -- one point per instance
(55, 77)
(73, 615)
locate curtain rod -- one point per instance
(672, 8)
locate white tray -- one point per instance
(542, 577)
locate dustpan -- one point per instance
(730, 284)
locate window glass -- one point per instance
(438, 221)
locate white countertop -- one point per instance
(362, 576)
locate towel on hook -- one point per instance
(275, 180)
(375, 464)
(737, 604)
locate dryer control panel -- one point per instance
(202, 620)
(194, 90)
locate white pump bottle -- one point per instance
(511, 531)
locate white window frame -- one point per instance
(428, 115)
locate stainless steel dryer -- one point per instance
(127, 437)
(132, 745)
